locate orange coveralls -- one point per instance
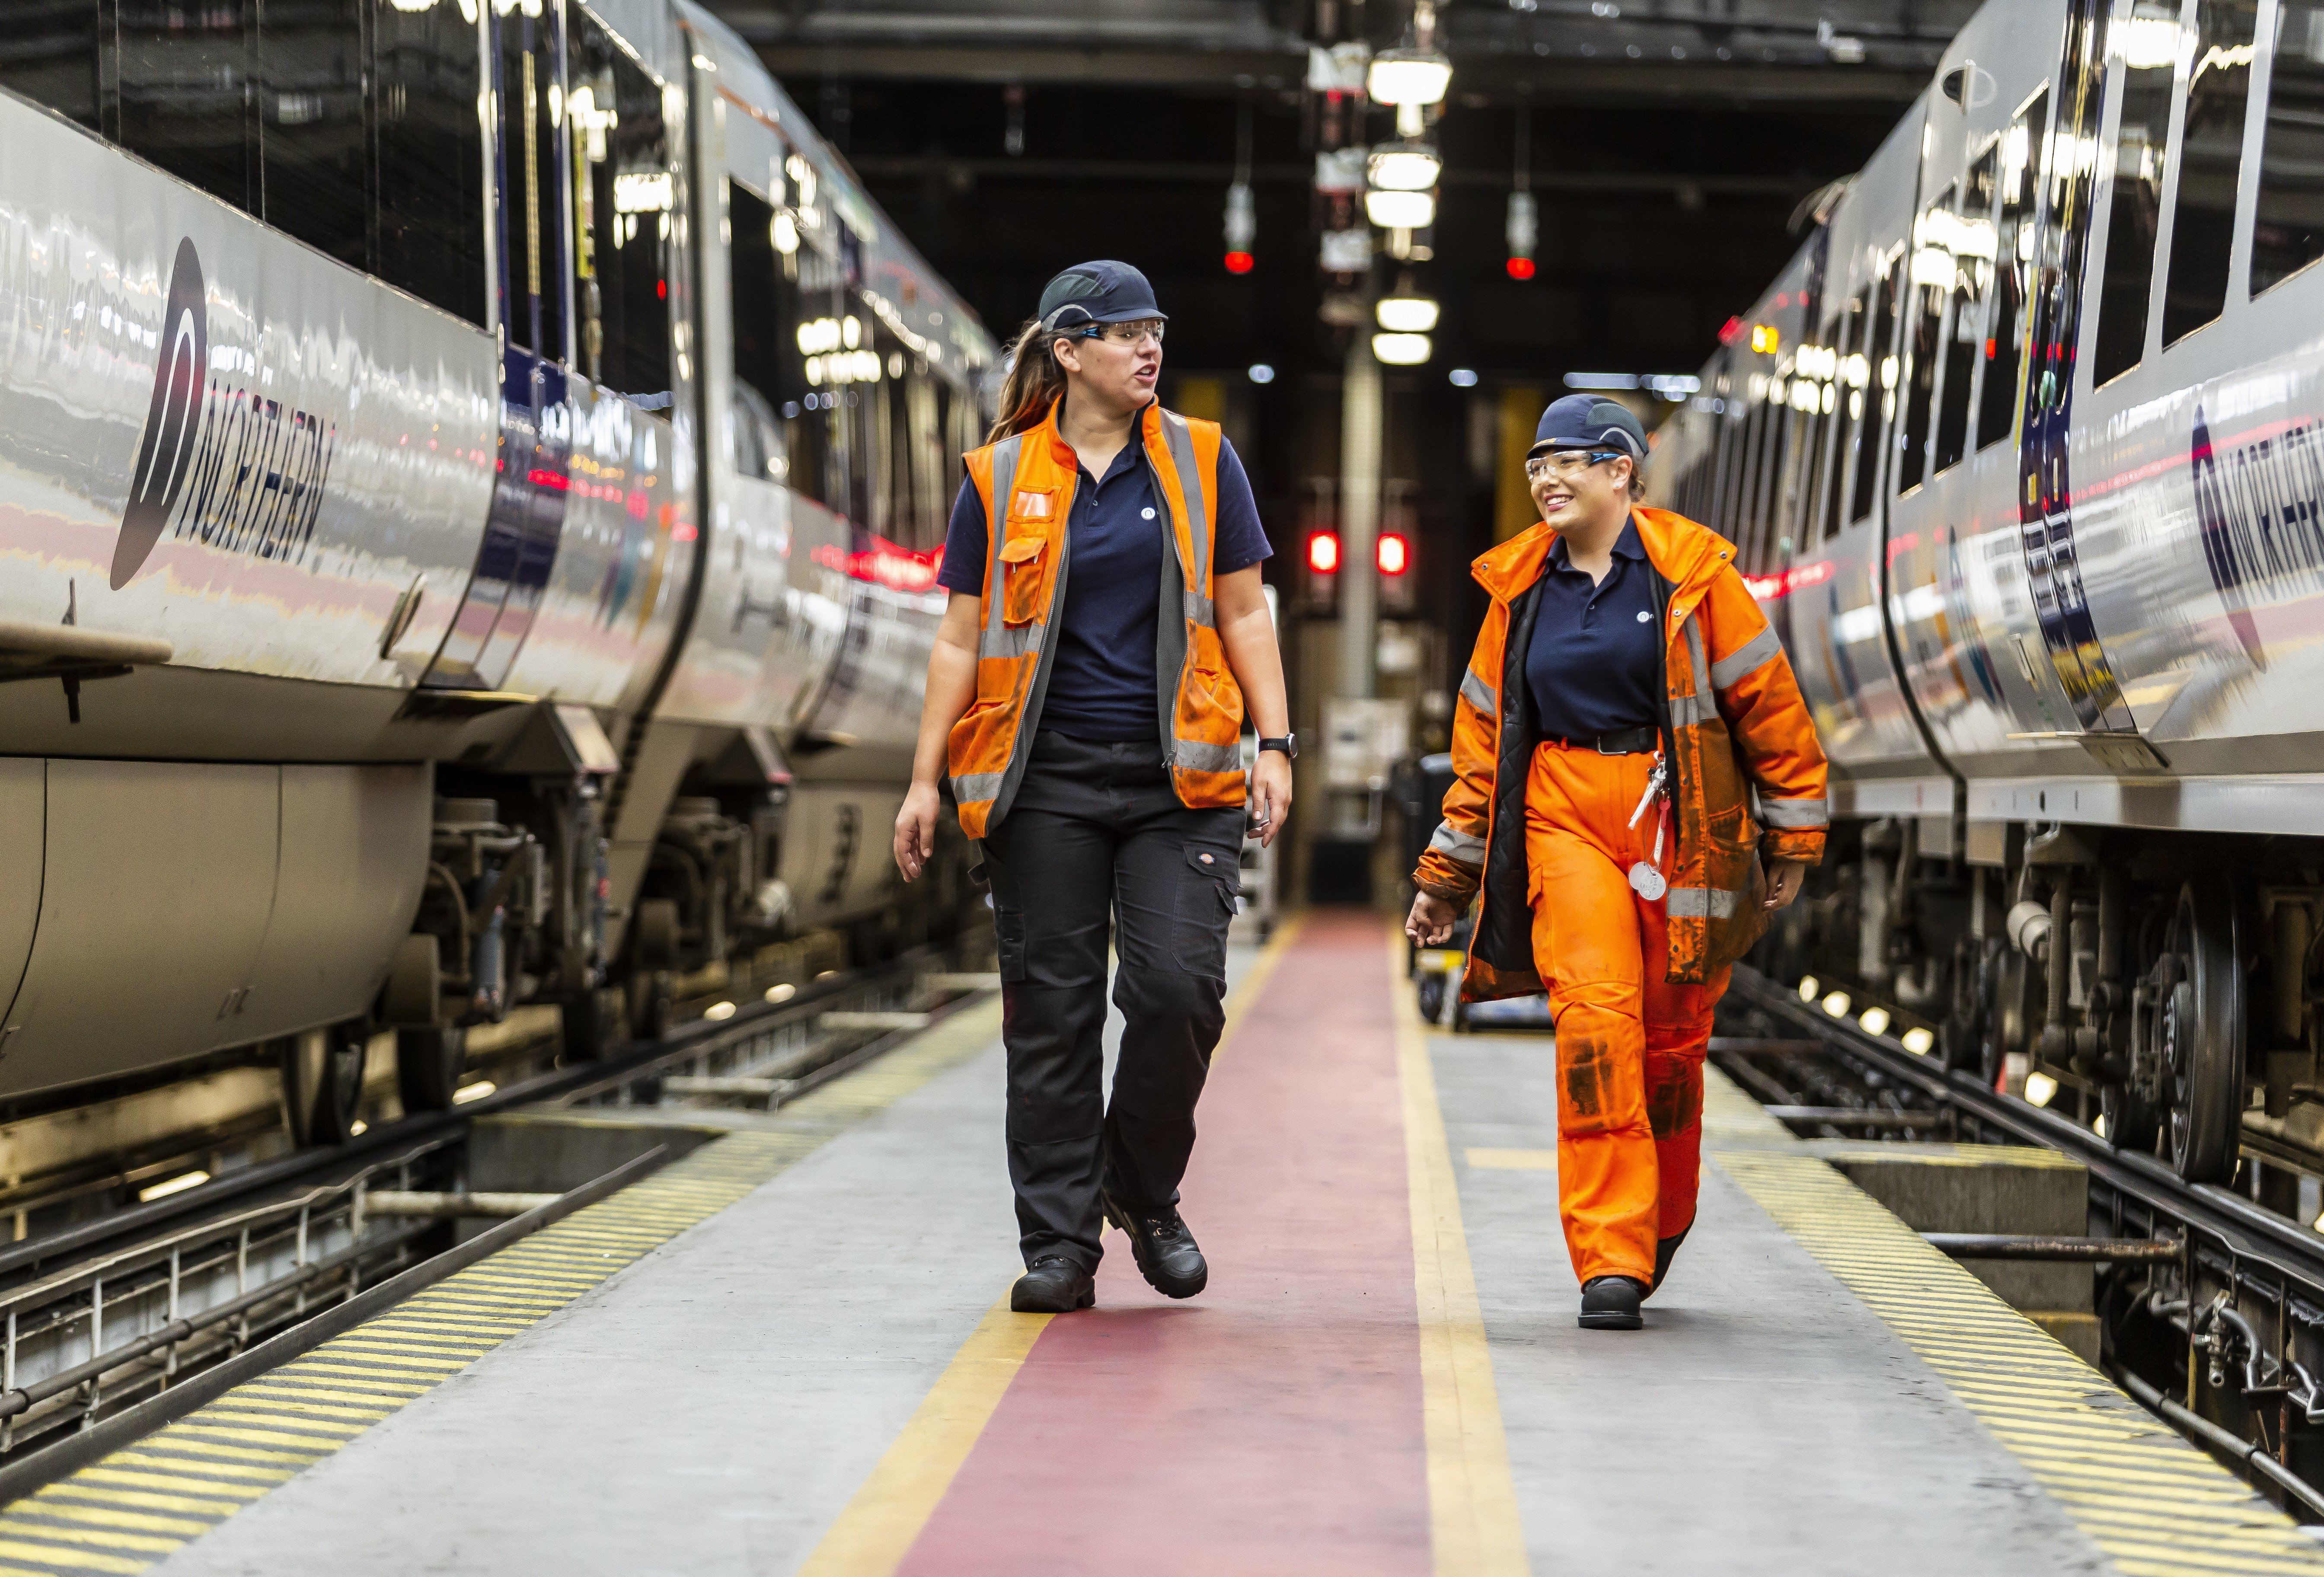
(1537, 835)
(1629, 1044)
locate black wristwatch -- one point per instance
(1288, 744)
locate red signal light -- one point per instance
(1240, 263)
(1323, 552)
(1394, 553)
(1520, 268)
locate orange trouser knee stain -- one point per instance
(1629, 1044)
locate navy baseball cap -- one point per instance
(1589, 421)
(1097, 293)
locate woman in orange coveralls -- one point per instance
(1630, 747)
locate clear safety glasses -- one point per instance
(1568, 464)
(1125, 333)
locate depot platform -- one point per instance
(790, 1352)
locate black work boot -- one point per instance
(1611, 1302)
(1164, 1248)
(1054, 1286)
(1667, 1250)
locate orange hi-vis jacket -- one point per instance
(1734, 730)
(1031, 476)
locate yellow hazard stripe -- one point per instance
(2154, 1503)
(114, 1516)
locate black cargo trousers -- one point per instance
(1096, 832)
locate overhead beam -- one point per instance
(1494, 79)
(1676, 185)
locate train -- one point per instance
(2022, 454)
(471, 478)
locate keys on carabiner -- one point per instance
(1653, 786)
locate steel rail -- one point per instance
(636, 1057)
(2248, 1232)
(47, 1464)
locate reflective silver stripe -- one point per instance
(1477, 693)
(1706, 703)
(1454, 844)
(1194, 756)
(976, 787)
(1748, 658)
(1201, 611)
(1004, 640)
(1701, 903)
(1686, 711)
(1180, 440)
(1795, 813)
(996, 526)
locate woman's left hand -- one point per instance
(1783, 878)
(1270, 795)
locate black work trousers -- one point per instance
(1096, 834)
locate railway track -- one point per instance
(112, 1327)
(2214, 1319)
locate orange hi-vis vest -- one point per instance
(1026, 483)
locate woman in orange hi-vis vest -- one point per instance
(1639, 787)
(1085, 704)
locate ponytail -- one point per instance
(1033, 384)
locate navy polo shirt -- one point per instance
(1102, 682)
(1590, 663)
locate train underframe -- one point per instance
(2163, 984)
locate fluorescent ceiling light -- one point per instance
(1408, 77)
(1400, 210)
(1405, 167)
(1407, 314)
(1400, 350)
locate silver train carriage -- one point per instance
(470, 481)
(2022, 454)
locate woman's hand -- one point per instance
(1270, 795)
(1431, 920)
(916, 830)
(1783, 878)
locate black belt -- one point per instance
(1621, 741)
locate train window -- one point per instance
(55, 59)
(814, 415)
(1973, 248)
(525, 71)
(1743, 513)
(623, 202)
(2288, 230)
(1997, 409)
(350, 125)
(1881, 368)
(1825, 419)
(754, 264)
(2136, 214)
(1852, 375)
(429, 200)
(313, 164)
(184, 96)
(1933, 269)
(2210, 161)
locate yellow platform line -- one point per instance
(877, 1527)
(216, 1460)
(1475, 1530)
(2155, 1504)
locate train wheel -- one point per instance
(592, 1025)
(2201, 1026)
(428, 1064)
(2130, 1120)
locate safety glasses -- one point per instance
(1568, 464)
(1125, 333)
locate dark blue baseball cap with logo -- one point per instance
(1097, 293)
(1589, 421)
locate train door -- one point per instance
(2101, 720)
(525, 56)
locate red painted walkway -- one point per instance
(1273, 1425)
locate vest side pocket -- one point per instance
(1025, 593)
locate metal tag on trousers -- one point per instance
(1647, 882)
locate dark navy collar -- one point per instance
(1626, 546)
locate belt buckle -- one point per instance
(1599, 744)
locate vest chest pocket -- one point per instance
(1025, 591)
